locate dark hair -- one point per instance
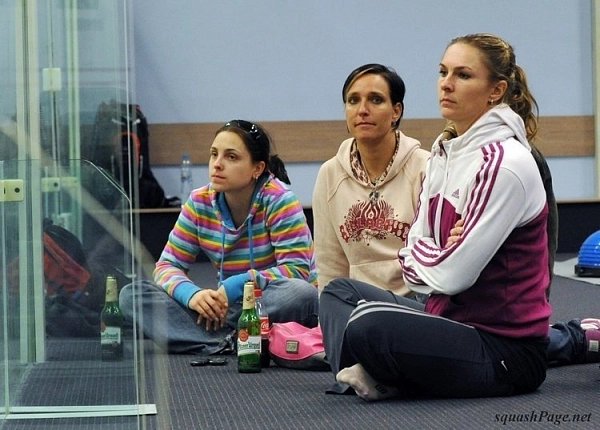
(258, 142)
(395, 82)
(499, 58)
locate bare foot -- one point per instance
(364, 385)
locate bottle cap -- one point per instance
(111, 281)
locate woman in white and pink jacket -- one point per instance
(478, 248)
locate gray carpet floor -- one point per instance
(220, 398)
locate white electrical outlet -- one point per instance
(11, 190)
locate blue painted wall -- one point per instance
(270, 60)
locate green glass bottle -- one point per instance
(248, 342)
(111, 323)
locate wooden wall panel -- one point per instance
(316, 141)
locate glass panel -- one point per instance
(73, 287)
(74, 297)
(14, 279)
(73, 224)
(13, 284)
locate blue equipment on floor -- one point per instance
(588, 262)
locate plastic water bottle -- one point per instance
(186, 178)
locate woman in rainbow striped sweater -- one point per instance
(251, 227)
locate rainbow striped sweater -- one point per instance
(273, 242)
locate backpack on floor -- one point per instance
(72, 306)
(121, 139)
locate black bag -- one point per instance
(121, 139)
(65, 317)
(73, 302)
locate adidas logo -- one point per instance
(456, 194)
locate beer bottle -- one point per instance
(111, 323)
(265, 358)
(248, 328)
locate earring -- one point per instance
(491, 101)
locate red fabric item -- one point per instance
(61, 270)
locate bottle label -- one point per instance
(248, 344)
(110, 335)
(264, 326)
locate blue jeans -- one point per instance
(173, 327)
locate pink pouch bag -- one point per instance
(297, 347)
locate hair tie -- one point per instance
(449, 132)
